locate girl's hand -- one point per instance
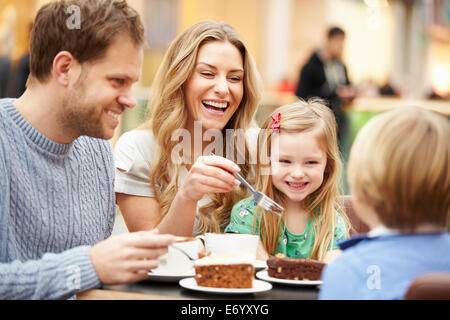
(209, 174)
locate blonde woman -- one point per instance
(300, 141)
(165, 176)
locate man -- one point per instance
(325, 76)
(57, 202)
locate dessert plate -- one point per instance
(258, 286)
(259, 265)
(161, 277)
(264, 275)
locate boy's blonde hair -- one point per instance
(168, 112)
(399, 165)
(302, 116)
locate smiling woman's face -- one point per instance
(215, 88)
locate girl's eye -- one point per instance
(311, 162)
(284, 161)
(235, 79)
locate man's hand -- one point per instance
(128, 257)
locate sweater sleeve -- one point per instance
(54, 276)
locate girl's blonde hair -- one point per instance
(303, 116)
(168, 112)
(400, 166)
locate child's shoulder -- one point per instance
(247, 204)
(250, 201)
(339, 218)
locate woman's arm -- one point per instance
(142, 213)
(139, 213)
(207, 175)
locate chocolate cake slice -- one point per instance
(294, 269)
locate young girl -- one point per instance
(300, 141)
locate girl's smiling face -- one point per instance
(297, 164)
(215, 88)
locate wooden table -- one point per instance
(151, 290)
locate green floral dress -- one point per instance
(291, 245)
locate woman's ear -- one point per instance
(63, 64)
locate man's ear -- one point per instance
(64, 65)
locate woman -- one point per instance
(207, 81)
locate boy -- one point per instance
(399, 173)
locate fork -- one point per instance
(184, 252)
(261, 199)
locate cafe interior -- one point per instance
(397, 52)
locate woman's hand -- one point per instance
(209, 174)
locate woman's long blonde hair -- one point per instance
(299, 117)
(168, 112)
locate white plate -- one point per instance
(259, 264)
(258, 286)
(170, 277)
(264, 275)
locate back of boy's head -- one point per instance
(399, 166)
(85, 28)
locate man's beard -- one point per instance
(81, 117)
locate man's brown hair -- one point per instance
(57, 28)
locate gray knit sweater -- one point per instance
(56, 201)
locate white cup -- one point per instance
(231, 243)
(175, 262)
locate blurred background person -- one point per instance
(5, 68)
(21, 71)
(325, 75)
(7, 23)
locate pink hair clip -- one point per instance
(276, 122)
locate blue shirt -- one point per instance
(383, 267)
